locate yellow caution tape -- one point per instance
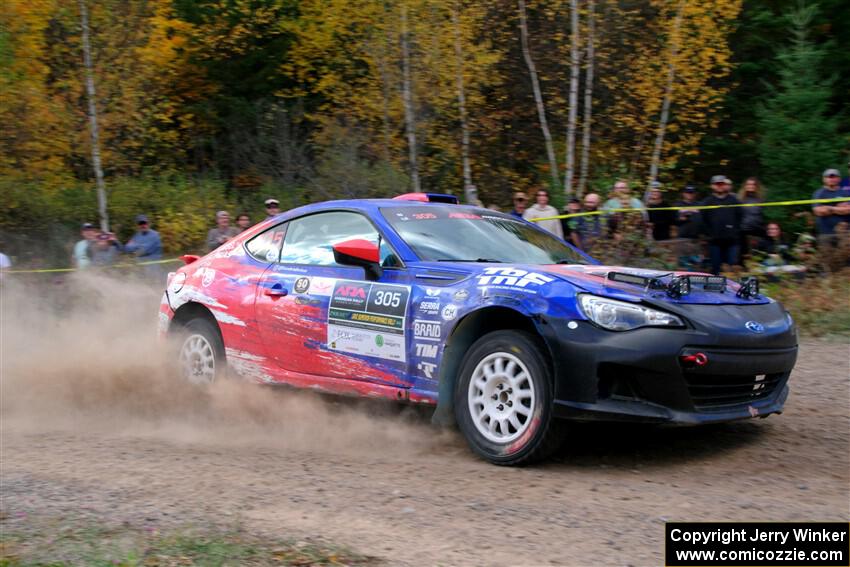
(125, 265)
(699, 207)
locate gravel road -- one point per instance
(384, 483)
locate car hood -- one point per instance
(549, 280)
(600, 280)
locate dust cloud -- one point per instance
(81, 355)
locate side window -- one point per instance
(310, 240)
(265, 247)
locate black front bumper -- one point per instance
(640, 376)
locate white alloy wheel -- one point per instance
(197, 360)
(501, 397)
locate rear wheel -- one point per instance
(200, 356)
(503, 399)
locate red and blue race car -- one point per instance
(503, 327)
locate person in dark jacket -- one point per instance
(661, 221)
(723, 225)
(689, 220)
(568, 225)
(752, 220)
(774, 244)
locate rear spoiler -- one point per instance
(428, 198)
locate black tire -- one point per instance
(201, 370)
(539, 433)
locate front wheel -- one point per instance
(200, 358)
(503, 399)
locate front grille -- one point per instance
(718, 392)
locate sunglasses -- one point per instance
(271, 206)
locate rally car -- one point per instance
(504, 328)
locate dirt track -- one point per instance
(390, 486)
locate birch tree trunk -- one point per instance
(538, 96)
(95, 136)
(665, 104)
(588, 96)
(573, 100)
(407, 97)
(469, 190)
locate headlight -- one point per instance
(621, 316)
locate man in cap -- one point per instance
(723, 225)
(830, 214)
(589, 228)
(146, 245)
(222, 232)
(272, 208)
(688, 220)
(82, 249)
(520, 203)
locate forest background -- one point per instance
(219, 104)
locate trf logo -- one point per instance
(351, 291)
(512, 277)
(427, 368)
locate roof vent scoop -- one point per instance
(428, 198)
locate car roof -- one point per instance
(370, 205)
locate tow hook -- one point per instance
(698, 359)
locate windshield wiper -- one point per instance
(476, 260)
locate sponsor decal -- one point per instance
(367, 318)
(754, 326)
(209, 277)
(302, 285)
(427, 330)
(424, 216)
(309, 301)
(427, 368)
(426, 351)
(464, 216)
(461, 295)
(512, 277)
(431, 292)
(449, 312)
(321, 286)
(430, 306)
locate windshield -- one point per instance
(465, 234)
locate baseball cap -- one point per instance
(272, 202)
(690, 189)
(718, 179)
(728, 181)
(141, 219)
(220, 214)
(655, 185)
(831, 173)
(519, 195)
(88, 226)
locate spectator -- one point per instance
(222, 232)
(752, 221)
(243, 222)
(82, 249)
(272, 208)
(722, 225)
(773, 244)
(5, 264)
(660, 221)
(104, 250)
(589, 228)
(830, 214)
(622, 198)
(568, 225)
(541, 209)
(520, 202)
(688, 220)
(146, 246)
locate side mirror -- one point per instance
(361, 253)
